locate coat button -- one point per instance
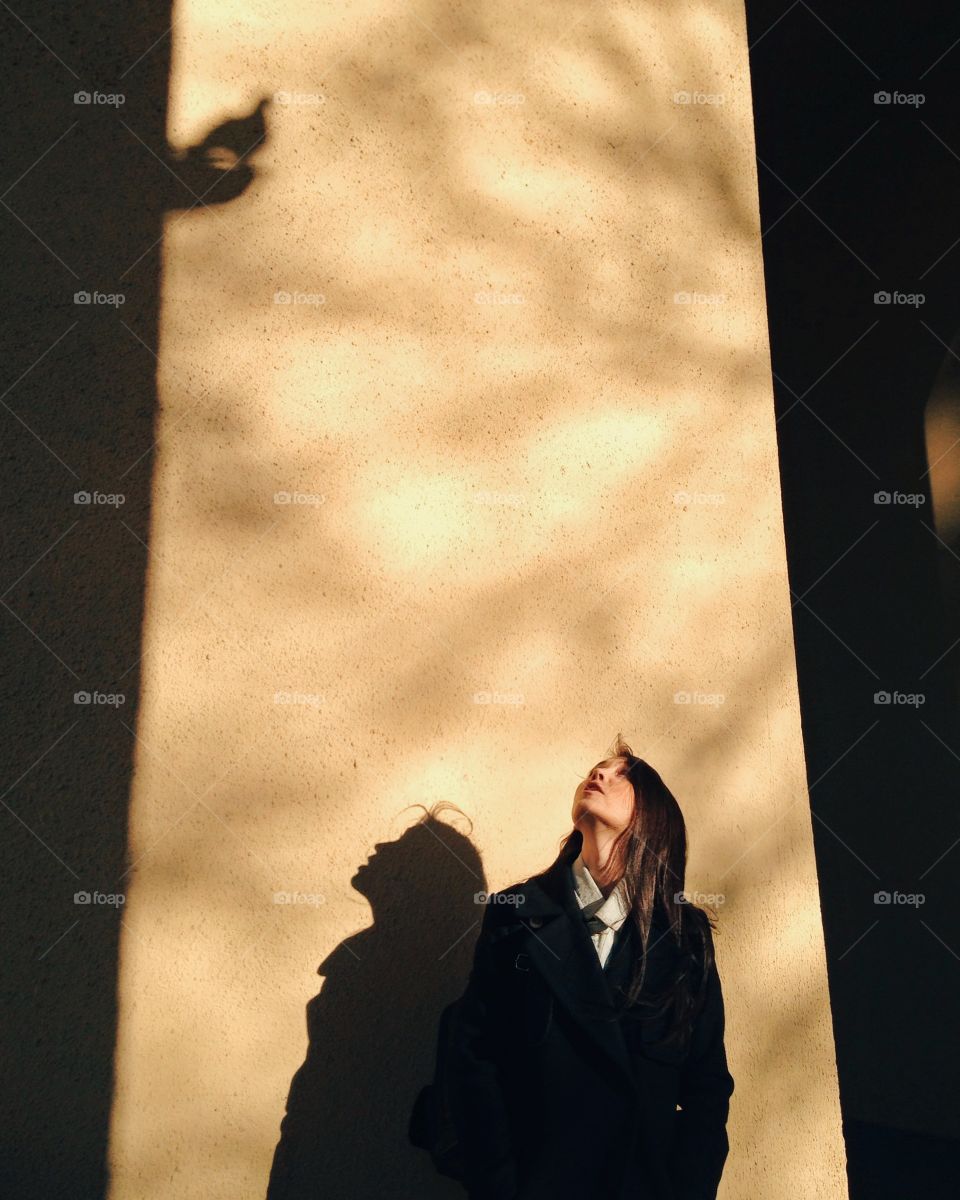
(535, 922)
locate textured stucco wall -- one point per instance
(526, 467)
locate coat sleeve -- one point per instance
(705, 1088)
(475, 1085)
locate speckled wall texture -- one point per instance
(467, 460)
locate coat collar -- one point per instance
(613, 909)
(559, 947)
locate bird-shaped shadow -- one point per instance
(216, 170)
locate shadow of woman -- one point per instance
(372, 1029)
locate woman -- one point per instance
(586, 1057)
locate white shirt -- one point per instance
(614, 910)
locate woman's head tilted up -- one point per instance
(628, 825)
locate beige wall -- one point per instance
(493, 410)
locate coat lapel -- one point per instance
(559, 947)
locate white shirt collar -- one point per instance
(614, 909)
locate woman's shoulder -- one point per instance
(503, 905)
(510, 908)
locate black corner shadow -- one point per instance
(857, 132)
(87, 180)
(372, 1029)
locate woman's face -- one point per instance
(606, 796)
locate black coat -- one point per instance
(553, 1099)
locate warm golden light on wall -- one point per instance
(509, 434)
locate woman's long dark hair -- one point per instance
(653, 851)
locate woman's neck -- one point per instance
(596, 853)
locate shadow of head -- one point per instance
(372, 1029)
